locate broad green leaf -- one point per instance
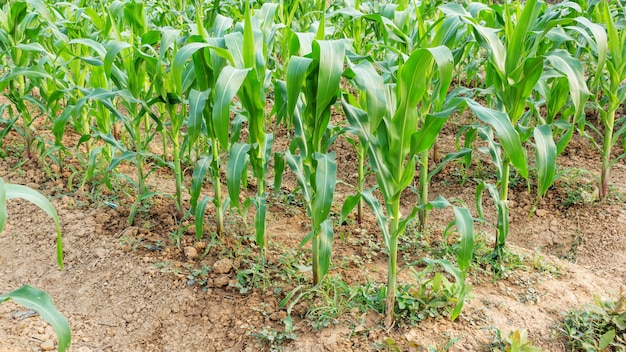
(465, 226)
(573, 70)
(325, 246)
(509, 138)
(369, 81)
(199, 172)
(295, 163)
(197, 102)
(41, 302)
(330, 55)
(29, 194)
(606, 339)
(381, 218)
(279, 168)
(178, 66)
(226, 87)
(325, 181)
(348, 205)
(237, 164)
(296, 71)
(546, 158)
(200, 208)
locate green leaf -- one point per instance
(465, 226)
(228, 83)
(349, 204)
(606, 339)
(197, 102)
(325, 247)
(381, 218)
(199, 172)
(330, 56)
(546, 158)
(509, 138)
(279, 168)
(29, 194)
(199, 215)
(236, 165)
(296, 71)
(41, 302)
(325, 181)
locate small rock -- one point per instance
(541, 213)
(103, 218)
(129, 232)
(278, 316)
(83, 349)
(221, 281)
(47, 345)
(222, 266)
(191, 252)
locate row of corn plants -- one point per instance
(118, 89)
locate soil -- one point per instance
(134, 288)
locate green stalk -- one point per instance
(606, 154)
(178, 175)
(392, 269)
(317, 275)
(503, 218)
(423, 213)
(217, 188)
(361, 181)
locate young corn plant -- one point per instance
(514, 66)
(28, 296)
(394, 139)
(610, 92)
(253, 49)
(20, 29)
(312, 89)
(210, 85)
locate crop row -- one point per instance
(192, 76)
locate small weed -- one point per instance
(517, 341)
(597, 327)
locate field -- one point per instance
(315, 176)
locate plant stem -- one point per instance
(423, 213)
(217, 185)
(392, 272)
(392, 262)
(606, 154)
(316, 271)
(178, 175)
(360, 181)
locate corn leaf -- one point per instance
(197, 102)
(234, 170)
(546, 158)
(325, 181)
(325, 246)
(41, 302)
(29, 194)
(228, 83)
(509, 138)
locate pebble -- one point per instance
(222, 266)
(221, 281)
(191, 252)
(47, 345)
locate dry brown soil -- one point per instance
(126, 288)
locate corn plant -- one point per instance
(394, 140)
(211, 87)
(254, 47)
(19, 31)
(312, 89)
(515, 65)
(610, 91)
(28, 296)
